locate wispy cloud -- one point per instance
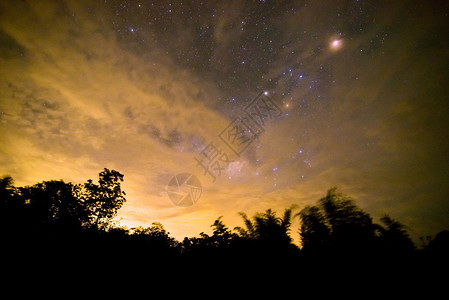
(78, 95)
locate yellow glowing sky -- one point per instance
(76, 97)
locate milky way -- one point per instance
(358, 91)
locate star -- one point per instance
(167, 77)
(336, 44)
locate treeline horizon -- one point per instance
(58, 217)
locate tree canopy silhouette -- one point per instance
(58, 205)
(53, 213)
(102, 200)
(267, 227)
(337, 225)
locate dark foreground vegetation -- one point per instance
(58, 225)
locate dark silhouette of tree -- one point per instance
(57, 205)
(336, 223)
(267, 227)
(250, 231)
(221, 239)
(265, 246)
(104, 199)
(154, 236)
(314, 232)
(59, 221)
(348, 224)
(51, 203)
(337, 227)
(394, 236)
(438, 247)
(221, 235)
(10, 205)
(7, 189)
(42, 206)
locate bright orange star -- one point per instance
(336, 44)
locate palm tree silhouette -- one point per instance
(267, 227)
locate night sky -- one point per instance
(358, 92)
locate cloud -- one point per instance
(80, 92)
(75, 107)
